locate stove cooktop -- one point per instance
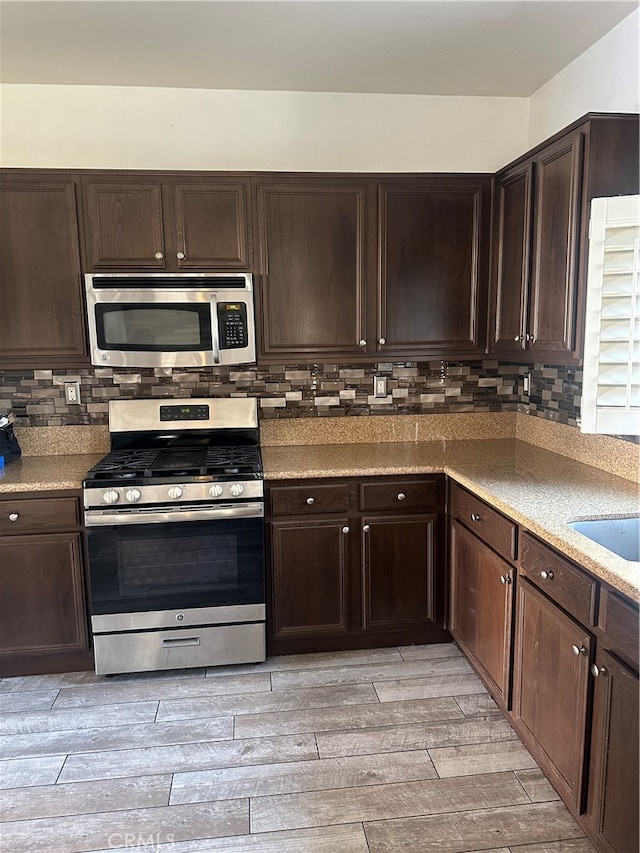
(145, 466)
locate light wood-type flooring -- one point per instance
(375, 751)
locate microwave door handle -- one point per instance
(215, 339)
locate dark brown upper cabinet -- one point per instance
(355, 269)
(431, 293)
(540, 236)
(312, 237)
(41, 305)
(167, 223)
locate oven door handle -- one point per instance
(151, 516)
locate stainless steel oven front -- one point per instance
(175, 587)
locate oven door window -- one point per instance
(154, 327)
(176, 565)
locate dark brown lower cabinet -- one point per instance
(613, 811)
(43, 612)
(480, 608)
(309, 576)
(551, 690)
(355, 563)
(397, 571)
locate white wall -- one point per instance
(147, 128)
(604, 78)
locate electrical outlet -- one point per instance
(379, 386)
(526, 384)
(72, 393)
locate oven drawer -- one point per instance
(178, 649)
(38, 515)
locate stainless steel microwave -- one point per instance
(170, 320)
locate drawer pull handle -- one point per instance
(366, 528)
(547, 576)
(401, 496)
(579, 650)
(345, 529)
(14, 516)
(173, 642)
(505, 579)
(475, 516)
(311, 501)
(597, 670)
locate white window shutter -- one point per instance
(611, 381)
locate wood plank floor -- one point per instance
(375, 751)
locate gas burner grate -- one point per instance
(232, 459)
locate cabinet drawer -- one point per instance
(38, 515)
(618, 618)
(488, 524)
(288, 500)
(571, 588)
(403, 494)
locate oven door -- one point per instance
(175, 559)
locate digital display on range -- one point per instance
(184, 413)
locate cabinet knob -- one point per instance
(475, 516)
(517, 338)
(547, 575)
(311, 501)
(597, 670)
(345, 529)
(181, 256)
(579, 650)
(505, 579)
(14, 516)
(366, 528)
(362, 343)
(401, 496)
(159, 256)
(382, 341)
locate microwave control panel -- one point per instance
(232, 325)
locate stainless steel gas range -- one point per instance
(175, 531)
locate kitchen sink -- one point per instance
(619, 535)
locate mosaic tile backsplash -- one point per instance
(290, 391)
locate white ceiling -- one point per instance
(455, 47)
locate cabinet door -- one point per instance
(309, 566)
(211, 226)
(41, 306)
(124, 224)
(312, 247)
(42, 605)
(481, 606)
(552, 323)
(433, 275)
(512, 237)
(613, 781)
(397, 572)
(550, 690)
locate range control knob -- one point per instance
(111, 496)
(236, 489)
(216, 491)
(133, 495)
(175, 492)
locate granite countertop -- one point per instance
(46, 473)
(536, 488)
